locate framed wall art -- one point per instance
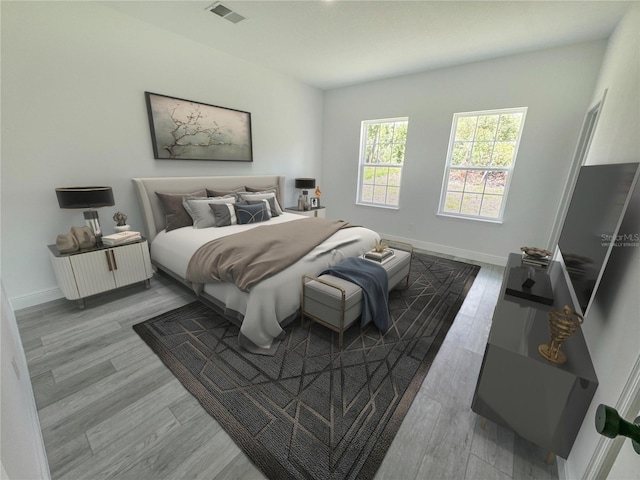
(187, 130)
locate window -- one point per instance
(382, 145)
(482, 153)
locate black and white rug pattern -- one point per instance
(314, 411)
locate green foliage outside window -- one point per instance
(382, 160)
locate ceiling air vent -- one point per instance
(225, 12)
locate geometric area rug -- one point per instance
(314, 411)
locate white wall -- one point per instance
(628, 464)
(556, 85)
(612, 328)
(73, 111)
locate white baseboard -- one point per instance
(447, 250)
(35, 298)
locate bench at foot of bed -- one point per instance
(337, 303)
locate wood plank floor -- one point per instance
(109, 408)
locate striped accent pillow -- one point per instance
(270, 203)
(223, 214)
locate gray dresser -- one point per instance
(543, 402)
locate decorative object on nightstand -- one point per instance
(84, 236)
(121, 222)
(78, 238)
(87, 198)
(305, 184)
(562, 325)
(67, 243)
(121, 238)
(314, 202)
(302, 205)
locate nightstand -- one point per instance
(99, 269)
(316, 212)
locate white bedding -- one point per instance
(274, 299)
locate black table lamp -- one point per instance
(305, 184)
(87, 198)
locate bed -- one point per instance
(268, 305)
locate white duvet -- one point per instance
(275, 298)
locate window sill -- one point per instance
(475, 219)
(386, 207)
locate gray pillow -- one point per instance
(271, 188)
(198, 209)
(247, 197)
(223, 214)
(224, 193)
(271, 204)
(175, 214)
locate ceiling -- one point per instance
(329, 44)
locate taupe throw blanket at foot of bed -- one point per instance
(248, 257)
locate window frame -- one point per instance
(509, 169)
(362, 165)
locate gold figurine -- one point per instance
(562, 325)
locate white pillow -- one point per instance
(246, 196)
(199, 210)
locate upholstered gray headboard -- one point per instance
(152, 213)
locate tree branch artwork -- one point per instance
(186, 130)
(193, 131)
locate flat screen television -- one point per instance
(591, 227)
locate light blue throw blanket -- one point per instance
(372, 279)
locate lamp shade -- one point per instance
(85, 197)
(305, 183)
